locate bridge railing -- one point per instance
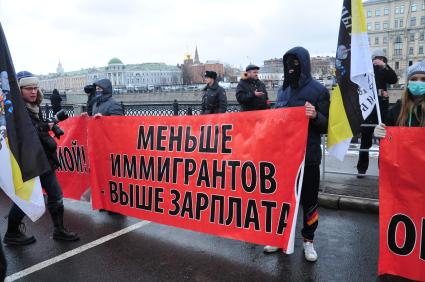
(170, 109)
(158, 109)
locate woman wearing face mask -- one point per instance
(410, 110)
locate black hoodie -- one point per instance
(307, 90)
(105, 104)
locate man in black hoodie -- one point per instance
(104, 104)
(301, 90)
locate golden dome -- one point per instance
(187, 56)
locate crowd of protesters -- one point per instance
(299, 90)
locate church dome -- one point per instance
(115, 61)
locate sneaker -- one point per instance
(361, 174)
(309, 252)
(18, 238)
(270, 249)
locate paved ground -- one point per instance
(350, 185)
(347, 243)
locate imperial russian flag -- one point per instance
(22, 158)
(354, 97)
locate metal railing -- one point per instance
(170, 109)
(195, 109)
(350, 149)
(149, 109)
(47, 111)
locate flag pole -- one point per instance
(378, 108)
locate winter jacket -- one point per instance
(308, 90)
(105, 104)
(394, 112)
(56, 101)
(47, 141)
(90, 102)
(245, 94)
(214, 99)
(383, 77)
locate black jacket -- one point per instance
(214, 99)
(394, 112)
(105, 104)
(47, 141)
(56, 101)
(90, 101)
(384, 76)
(308, 90)
(245, 94)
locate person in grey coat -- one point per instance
(104, 104)
(214, 99)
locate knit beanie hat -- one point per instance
(418, 68)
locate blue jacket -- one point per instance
(307, 90)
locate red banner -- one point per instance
(232, 175)
(73, 173)
(402, 203)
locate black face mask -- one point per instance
(292, 63)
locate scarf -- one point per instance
(34, 109)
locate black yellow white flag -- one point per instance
(353, 99)
(22, 158)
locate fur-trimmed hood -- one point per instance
(244, 75)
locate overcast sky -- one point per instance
(87, 33)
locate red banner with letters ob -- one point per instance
(235, 175)
(402, 203)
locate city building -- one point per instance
(322, 67)
(193, 70)
(272, 71)
(397, 27)
(123, 77)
